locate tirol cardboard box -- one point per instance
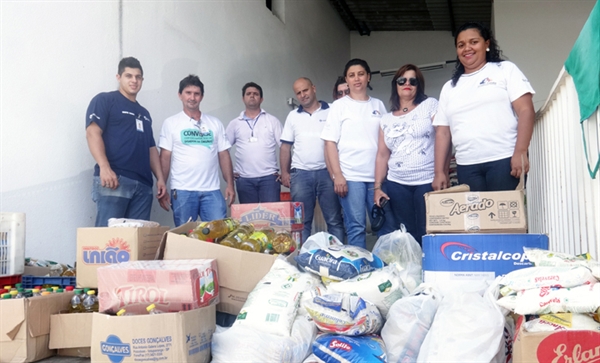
(287, 216)
(582, 346)
(174, 285)
(170, 337)
(457, 210)
(464, 257)
(239, 271)
(25, 326)
(71, 334)
(104, 246)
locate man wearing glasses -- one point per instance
(256, 135)
(119, 135)
(305, 173)
(192, 147)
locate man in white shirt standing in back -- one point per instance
(193, 145)
(256, 135)
(307, 174)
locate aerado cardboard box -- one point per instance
(457, 210)
(170, 337)
(469, 257)
(103, 246)
(25, 326)
(581, 346)
(239, 271)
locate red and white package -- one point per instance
(546, 276)
(549, 300)
(562, 322)
(541, 257)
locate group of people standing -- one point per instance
(352, 156)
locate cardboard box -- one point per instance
(25, 327)
(476, 256)
(103, 246)
(36, 271)
(71, 334)
(175, 285)
(170, 337)
(287, 216)
(239, 271)
(562, 346)
(456, 210)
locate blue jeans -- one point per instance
(306, 187)
(358, 201)
(407, 203)
(487, 177)
(264, 189)
(132, 199)
(191, 204)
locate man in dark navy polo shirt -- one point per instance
(119, 135)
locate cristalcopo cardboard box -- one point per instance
(103, 246)
(169, 337)
(476, 256)
(287, 216)
(71, 334)
(174, 285)
(581, 346)
(25, 326)
(239, 271)
(457, 210)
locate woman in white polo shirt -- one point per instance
(486, 110)
(405, 154)
(351, 133)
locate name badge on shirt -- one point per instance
(253, 139)
(139, 125)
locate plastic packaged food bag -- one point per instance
(273, 304)
(546, 276)
(246, 344)
(541, 257)
(561, 322)
(125, 222)
(381, 287)
(339, 262)
(320, 240)
(408, 322)
(344, 314)
(401, 247)
(331, 348)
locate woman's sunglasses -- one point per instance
(402, 81)
(344, 92)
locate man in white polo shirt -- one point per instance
(193, 145)
(307, 175)
(256, 136)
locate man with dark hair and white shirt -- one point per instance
(193, 145)
(305, 172)
(256, 135)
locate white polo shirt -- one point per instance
(479, 112)
(303, 130)
(354, 126)
(256, 143)
(194, 148)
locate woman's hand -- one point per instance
(340, 186)
(519, 163)
(378, 195)
(440, 181)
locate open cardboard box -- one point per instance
(71, 334)
(239, 271)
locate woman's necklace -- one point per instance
(405, 109)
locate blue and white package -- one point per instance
(339, 262)
(331, 348)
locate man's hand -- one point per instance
(519, 163)
(108, 178)
(229, 195)
(165, 201)
(285, 179)
(378, 195)
(161, 189)
(340, 186)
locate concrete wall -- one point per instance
(538, 36)
(57, 55)
(391, 50)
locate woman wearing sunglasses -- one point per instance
(406, 151)
(486, 111)
(350, 135)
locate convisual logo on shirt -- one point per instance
(487, 82)
(197, 137)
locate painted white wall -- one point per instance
(391, 50)
(538, 36)
(56, 56)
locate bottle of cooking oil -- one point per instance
(235, 238)
(283, 242)
(259, 240)
(76, 306)
(90, 303)
(217, 228)
(151, 309)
